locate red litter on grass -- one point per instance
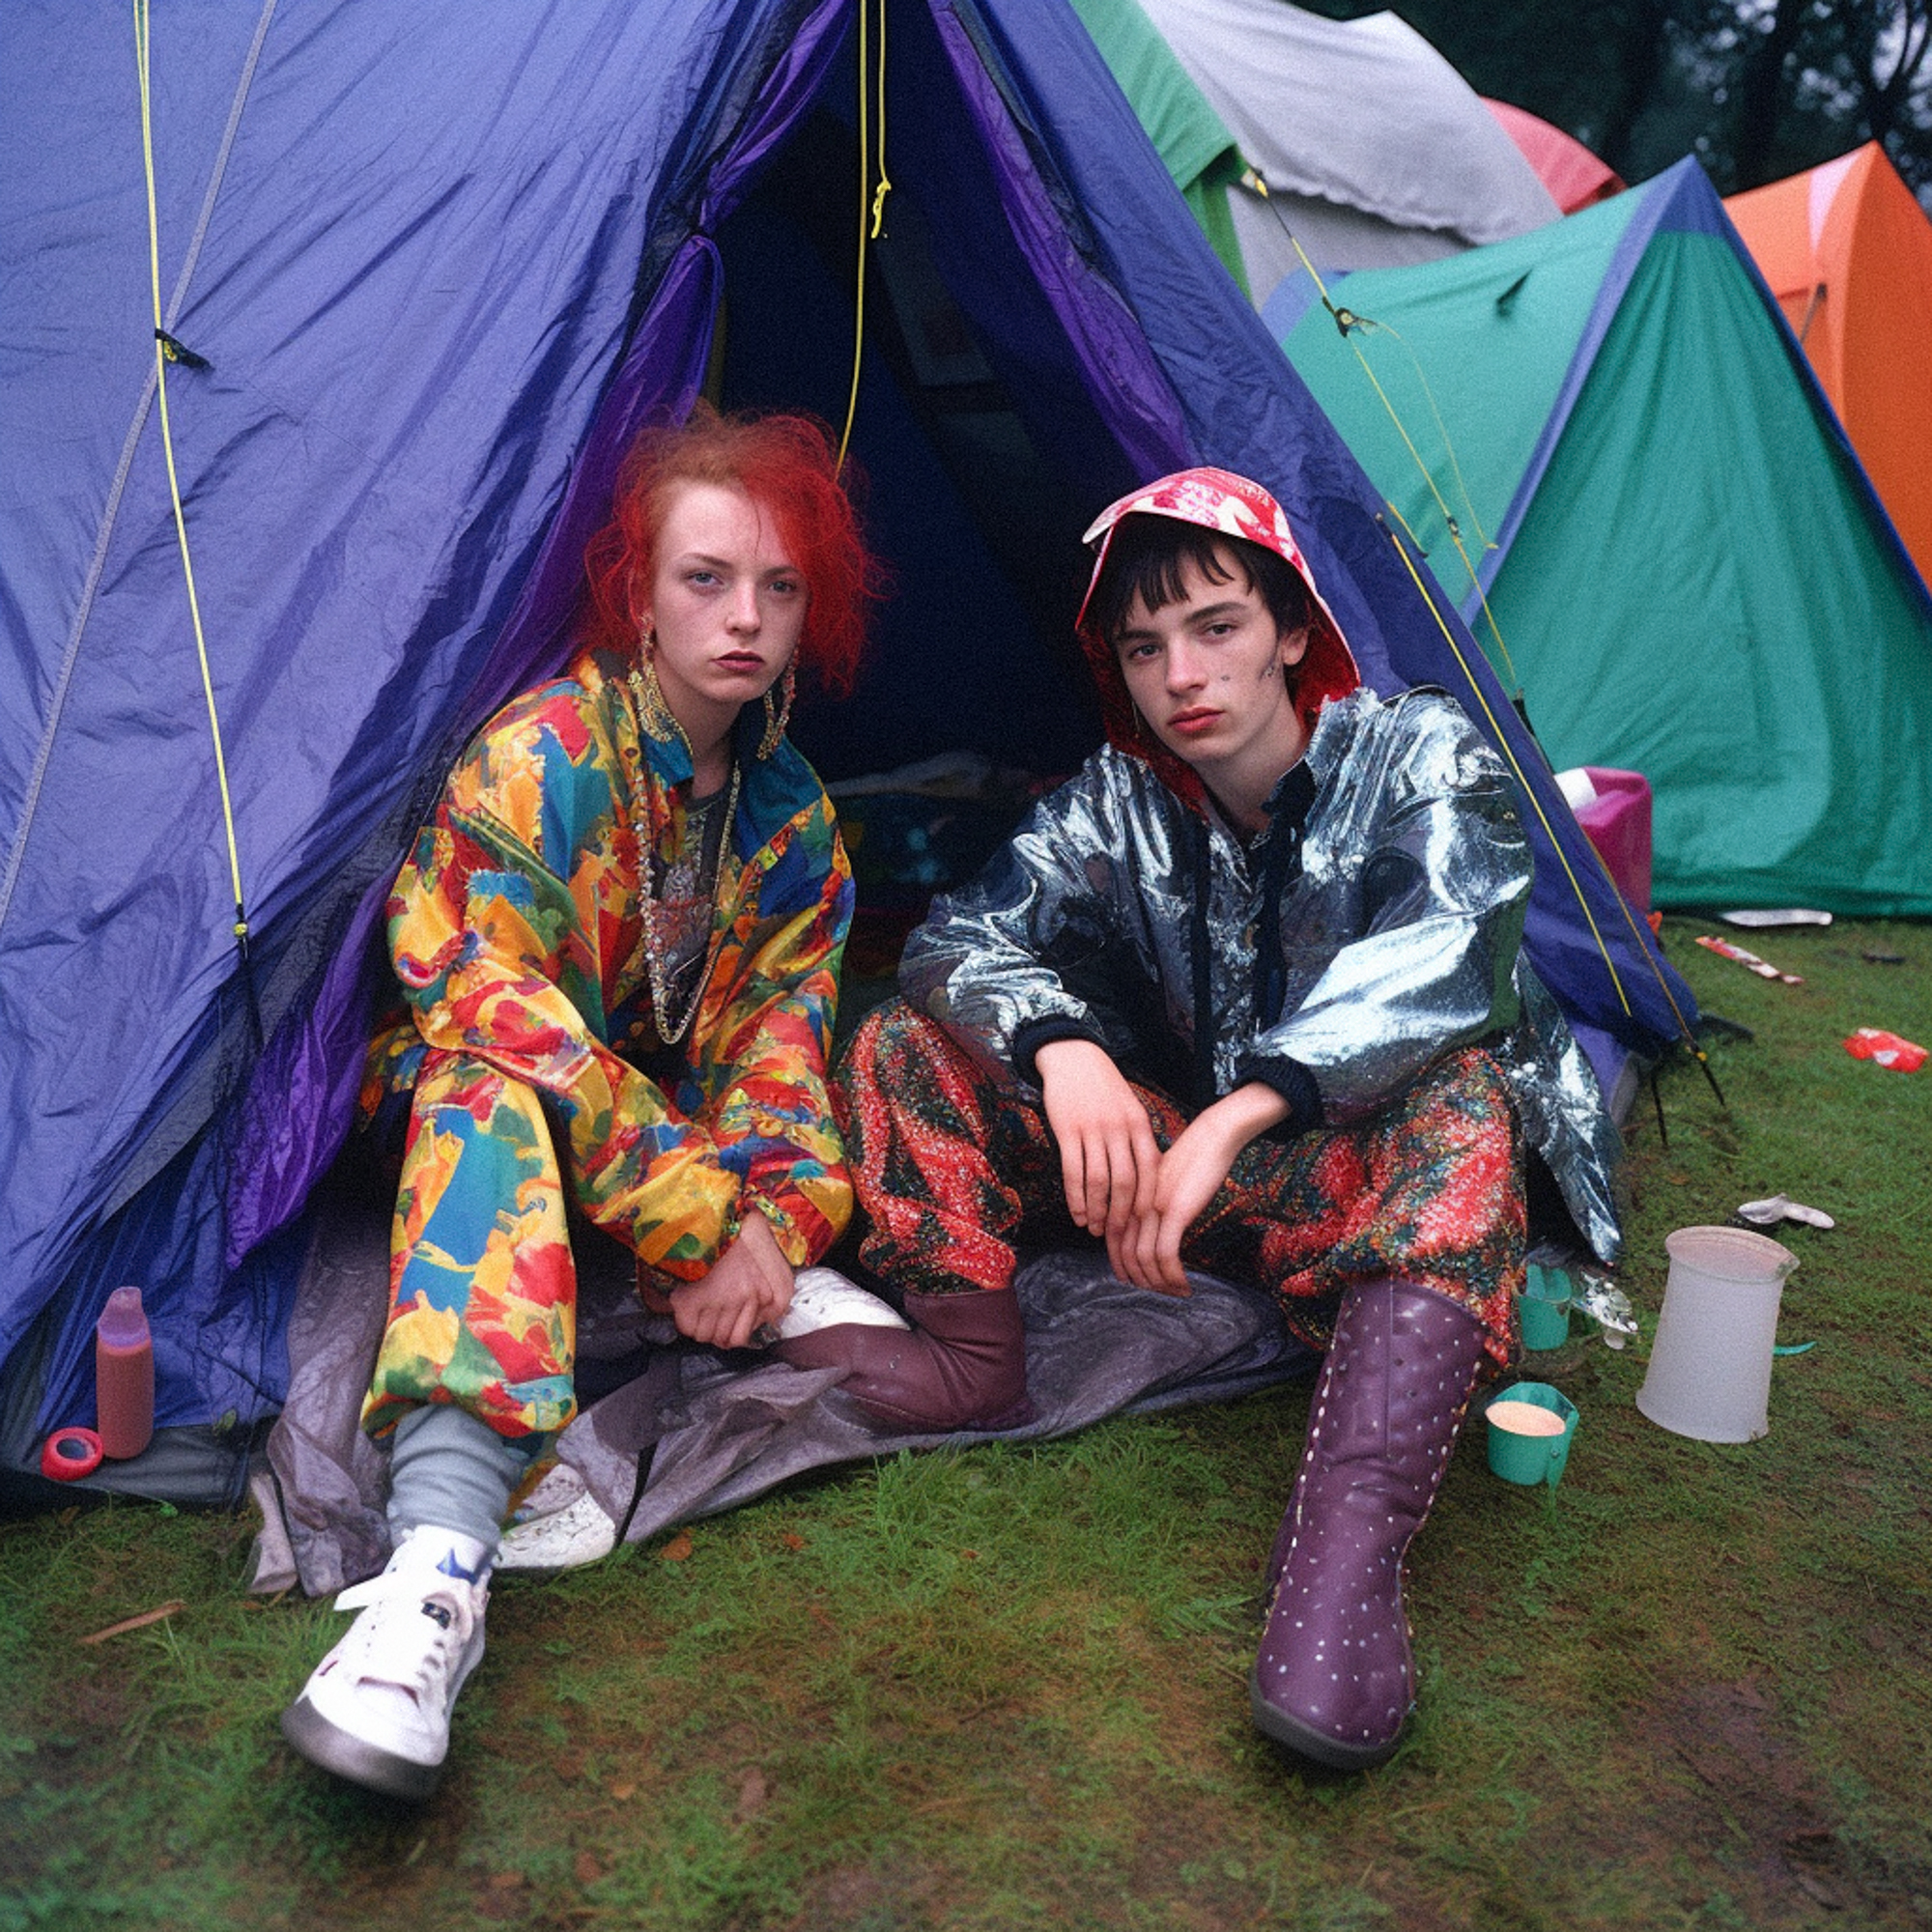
(1763, 968)
(1886, 1049)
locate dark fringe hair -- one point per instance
(1148, 554)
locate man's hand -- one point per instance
(748, 1284)
(1190, 1175)
(1108, 1155)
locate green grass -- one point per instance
(1005, 1687)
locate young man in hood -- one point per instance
(1244, 996)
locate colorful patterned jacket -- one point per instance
(517, 931)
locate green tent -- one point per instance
(1689, 574)
(1192, 141)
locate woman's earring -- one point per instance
(778, 716)
(653, 713)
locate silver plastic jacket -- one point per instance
(1399, 932)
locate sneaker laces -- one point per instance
(416, 1628)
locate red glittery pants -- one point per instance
(954, 1169)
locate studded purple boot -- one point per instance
(1334, 1679)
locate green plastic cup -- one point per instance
(1529, 1440)
(1545, 1307)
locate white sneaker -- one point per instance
(821, 1298)
(561, 1527)
(376, 1709)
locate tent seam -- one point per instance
(221, 167)
(44, 755)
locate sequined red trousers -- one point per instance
(954, 1170)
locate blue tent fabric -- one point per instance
(441, 268)
(420, 262)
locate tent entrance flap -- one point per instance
(979, 531)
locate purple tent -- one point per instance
(432, 272)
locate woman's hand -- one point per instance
(1191, 1173)
(749, 1285)
(1108, 1155)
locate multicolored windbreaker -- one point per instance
(518, 933)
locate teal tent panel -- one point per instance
(1193, 141)
(1700, 592)
(1688, 574)
(1450, 375)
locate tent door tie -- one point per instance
(177, 351)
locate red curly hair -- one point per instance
(788, 464)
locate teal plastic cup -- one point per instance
(1545, 1307)
(1530, 1437)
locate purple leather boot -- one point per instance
(1334, 1679)
(963, 1364)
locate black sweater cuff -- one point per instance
(1037, 1033)
(1295, 1083)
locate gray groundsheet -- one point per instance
(707, 1431)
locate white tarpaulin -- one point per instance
(1377, 151)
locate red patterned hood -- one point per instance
(1216, 499)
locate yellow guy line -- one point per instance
(877, 219)
(1345, 319)
(1347, 322)
(1616, 890)
(1501, 740)
(1370, 325)
(885, 186)
(1367, 323)
(174, 480)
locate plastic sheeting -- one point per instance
(710, 1431)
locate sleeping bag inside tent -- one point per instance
(432, 275)
(1689, 574)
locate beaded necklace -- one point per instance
(657, 941)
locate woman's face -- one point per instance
(726, 602)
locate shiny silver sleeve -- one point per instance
(1444, 873)
(1563, 1118)
(984, 962)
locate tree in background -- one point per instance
(1756, 89)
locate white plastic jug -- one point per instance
(1710, 1366)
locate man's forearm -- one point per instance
(1245, 1114)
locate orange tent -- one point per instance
(1848, 253)
(1574, 175)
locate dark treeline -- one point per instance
(1756, 89)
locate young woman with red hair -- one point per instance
(618, 938)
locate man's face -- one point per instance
(1208, 672)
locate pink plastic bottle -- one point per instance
(123, 1375)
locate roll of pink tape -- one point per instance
(70, 1453)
